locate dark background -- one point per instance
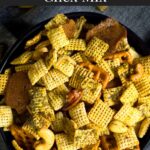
(16, 21)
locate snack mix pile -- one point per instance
(76, 86)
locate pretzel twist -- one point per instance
(123, 57)
(139, 70)
(99, 74)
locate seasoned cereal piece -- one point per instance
(79, 115)
(30, 128)
(58, 124)
(39, 104)
(79, 26)
(22, 59)
(76, 45)
(77, 57)
(70, 127)
(99, 131)
(104, 65)
(100, 114)
(85, 137)
(127, 139)
(111, 95)
(57, 97)
(6, 116)
(23, 67)
(129, 115)
(79, 74)
(91, 90)
(65, 64)
(64, 142)
(37, 71)
(3, 82)
(57, 38)
(143, 85)
(129, 95)
(40, 121)
(51, 59)
(113, 64)
(144, 100)
(55, 100)
(123, 72)
(59, 19)
(144, 127)
(96, 48)
(53, 79)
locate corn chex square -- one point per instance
(59, 19)
(96, 48)
(143, 85)
(76, 45)
(79, 74)
(22, 59)
(99, 131)
(65, 64)
(53, 79)
(100, 114)
(128, 115)
(6, 116)
(37, 71)
(104, 65)
(85, 137)
(25, 67)
(129, 95)
(57, 97)
(58, 124)
(91, 90)
(111, 95)
(3, 82)
(127, 139)
(63, 142)
(57, 38)
(79, 115)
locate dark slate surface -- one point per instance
(16, 22)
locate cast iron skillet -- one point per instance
(134, 40)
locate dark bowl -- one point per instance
(95, 18)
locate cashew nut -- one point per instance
(117, 126)
(139, 70)
(47, 140)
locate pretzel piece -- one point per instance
(123, 56)
(100, 74)
(23, 139)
